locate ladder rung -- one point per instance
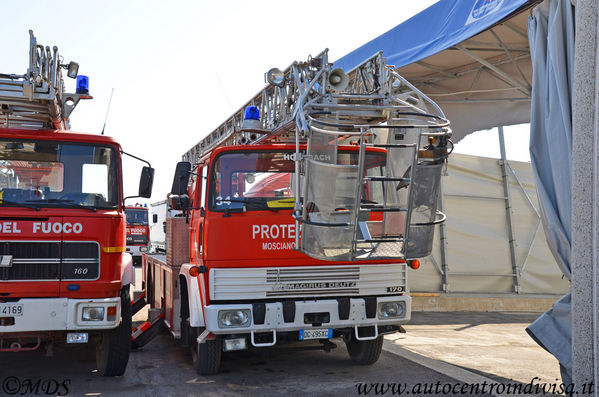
(382, 209)
(382, 240)
(386, 179)
(391, 145)
(357, 107)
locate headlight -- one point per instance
(391, 310)
(143, 249)
(234, 318)
(92, 314)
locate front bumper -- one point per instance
(60, 314)
(274, 315)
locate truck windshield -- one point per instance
(57, 174)
(136, 217)
(264, 180)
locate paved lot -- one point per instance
(492, 343)
(481, 346)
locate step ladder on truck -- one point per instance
(302, 212)
(64, 272)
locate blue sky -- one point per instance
(180, 68)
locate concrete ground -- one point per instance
(494, 345)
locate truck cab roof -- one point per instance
(57, 135)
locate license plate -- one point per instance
(11, 310)
(315, 334)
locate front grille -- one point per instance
(50, 261)
(306, 281)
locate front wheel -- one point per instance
(205, 356)
(112, 350)
(364, 352)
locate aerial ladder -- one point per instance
(372, 106)
(37, 99)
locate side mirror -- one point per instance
(181, 179)
(154, 218)
(146, 180)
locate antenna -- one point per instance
(107, 110)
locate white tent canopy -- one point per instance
(473, 60)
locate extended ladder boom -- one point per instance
(37, 99)
(305, 87)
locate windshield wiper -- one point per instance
(68, 203)
(256, 203)
(20, 204)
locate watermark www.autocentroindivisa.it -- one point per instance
(535, 386)
(14, 386)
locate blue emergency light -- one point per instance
(82, 85)
(251, 113)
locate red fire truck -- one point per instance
(138, 232)
(64, 273)
(301, 215)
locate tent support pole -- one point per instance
(508, 210)
(443, 245)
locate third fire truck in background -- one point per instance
(138, 232)
(301, 215)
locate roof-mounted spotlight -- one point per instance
(275, 77)
(72, 69)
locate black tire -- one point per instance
(186, 334)
(112, 350)
(206, 356)
(365, 352)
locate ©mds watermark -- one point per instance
(13, 386)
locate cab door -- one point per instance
(198, 214)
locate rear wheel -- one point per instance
(186, 336)
(112, 350)
(364, 352)
(205, 356)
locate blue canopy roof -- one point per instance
(442, 25)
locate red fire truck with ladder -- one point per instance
(138, 232)
(64, 272)
(302, 212)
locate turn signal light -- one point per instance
(414, 264)
(196, 270)
(111, 313)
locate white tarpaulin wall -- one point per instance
(477, 256)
